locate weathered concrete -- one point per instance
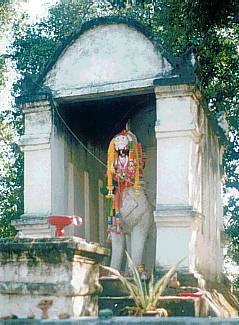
(61, 274)
(106, 58)
(188, 211)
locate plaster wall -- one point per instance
(37, 158)
(173, 131)
(71, 196)
(173, 153)
(177, 237)
(106, 55)
(59, 191)
(38, 124)
(175, 113)
(211, 206)
(142, 124)
(37, 176)
(189, 203)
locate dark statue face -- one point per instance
(123, 152)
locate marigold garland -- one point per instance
(124, 169)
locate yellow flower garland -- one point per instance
(112, 157)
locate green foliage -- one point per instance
(35, 43)
(8, 11)
(145, 296)
(11, 171)
(11, 159)
(2, 69)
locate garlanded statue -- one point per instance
(128, 211)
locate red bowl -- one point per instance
(61, 221)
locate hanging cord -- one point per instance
(80, 142)
(77, 139)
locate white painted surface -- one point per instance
(71, 203)
(188, 213)
(37, 180)
(87, 206)
(172, 158)
(173, 245)
(38, 122)
(102, 217)
(26, 306)
(107, 54)
(59, 190)
(173, 113)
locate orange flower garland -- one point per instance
(124, 169)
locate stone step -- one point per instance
(211, 302)
(116, 297)
(173, 305)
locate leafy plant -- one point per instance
(145, 296)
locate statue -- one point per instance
(128, 210)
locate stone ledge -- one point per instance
(41, 139)
(46, 289)
(172, 216)
(30, 219)
(33, 226)
(50, 250)
(40, 104)
(174, 207)
(174, 90)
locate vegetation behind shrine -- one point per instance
(210, 28)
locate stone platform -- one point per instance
(49, 278)
(216, 300)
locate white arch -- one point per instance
(106, 58)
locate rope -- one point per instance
(78, 140)
(81, 143)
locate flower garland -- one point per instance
(124, 169)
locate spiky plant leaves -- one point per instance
(145, 298)
(159, 287)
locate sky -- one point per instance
(36, 10)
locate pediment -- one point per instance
(107, 57)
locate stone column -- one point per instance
(177, 219)
(36, 145)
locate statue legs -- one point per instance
(117, 250)
(138, 237)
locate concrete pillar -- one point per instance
(44, 171)
(176, 216)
